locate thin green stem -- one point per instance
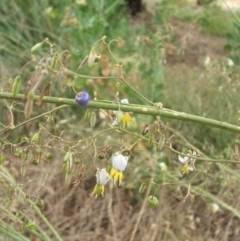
(68, 71)
(179, 153)
(37, 117)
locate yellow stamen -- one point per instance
(116, 175)
(185, 169)
(98, 189)
(126, 120)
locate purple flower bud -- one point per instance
(82, 98)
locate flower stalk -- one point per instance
(138, 109)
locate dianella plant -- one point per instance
(116, 141)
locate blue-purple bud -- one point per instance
(82, 98)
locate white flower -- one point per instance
(163, 166)
(215, 207)
(102, 176)
(125, 101)
(183, 160)
(189, 162)
(119, 162)
(207, 61)
(230, 62)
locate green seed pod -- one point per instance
(152, 201)
(37, 138)
(31, 225)
(36, 47)
(142, 188)
(161, 142)
(39, 150)
(67, 161)
(29, 156)
(67, 156)
(35, 162)
(150, 139)
(40, 203)
(68, 177)
(117, 86)
(119, 117)
(19, 152)
(87, 114)
(16, 85)
(93, 119)
(49, 156)
(237, 142)
(77, 160)
(54, 60)
(23, 170)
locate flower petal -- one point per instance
(182, 159)
(124, 101)
(119, 162)
(102, 176)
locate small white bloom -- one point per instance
(119, 162)
(215, 207)
(191, 168)
(207, 61)
(163, 166)
(230, 62)
(114, 123)
(102, 176)
(124, 101)
(183, 160)
(189, 162)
